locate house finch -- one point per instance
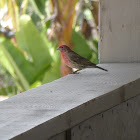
(73, 60)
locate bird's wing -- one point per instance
(81, 60)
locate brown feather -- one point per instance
(74, 60)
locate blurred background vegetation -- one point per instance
(30, 32)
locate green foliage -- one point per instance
(83, 48)
(52, 73)
(29, 38)
(8, 91)
(32, 59)
(31, 63)
(39, 7)
(81, 45)
(94, 57)
(17, 62)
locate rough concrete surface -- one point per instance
(52, 108)
(119, 31)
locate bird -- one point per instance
(74, 60)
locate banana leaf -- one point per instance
(80, 45)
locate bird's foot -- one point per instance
(75, 72)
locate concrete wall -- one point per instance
(92, 104)
(119, 31)
(121, 122)
(52, 112)
(118, 123)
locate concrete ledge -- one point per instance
(53, 108)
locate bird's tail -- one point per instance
(101, 68)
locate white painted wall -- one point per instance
(119, 31)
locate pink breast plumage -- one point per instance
(65, 58)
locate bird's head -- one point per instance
(63, 48)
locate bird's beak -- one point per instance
(58, 49)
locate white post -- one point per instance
(119, 31)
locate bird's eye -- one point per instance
(62, 47)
